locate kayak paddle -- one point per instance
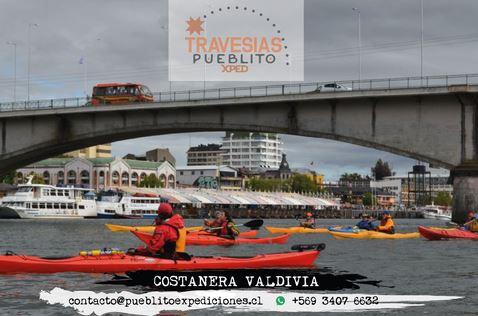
(254, 224)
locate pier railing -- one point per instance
(263, 91)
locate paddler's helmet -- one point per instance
(387, 214)
(471, 214)
(165, 210)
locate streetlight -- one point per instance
(165, 28)
(421, 39)
(85, 61)
(14, 44)
(30, 26)
(359, 42)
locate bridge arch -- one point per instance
(432, 125)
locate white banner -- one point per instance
(152, 303)
(236, 40)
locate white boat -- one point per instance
(48, 201)
(121, 205)
(436, 212)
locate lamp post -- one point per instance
(85, 61)
(14, 44)
(165, 28)
(359, 38)
(30, 26)
(421, 39)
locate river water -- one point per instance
(404, 267)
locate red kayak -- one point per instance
(247, 234)
(121, 263)
(437, 234)
(211, 240)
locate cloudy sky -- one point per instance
(126, 40)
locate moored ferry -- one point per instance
(121, 205)
(48, 201)
(436, 212)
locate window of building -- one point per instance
(71, 177)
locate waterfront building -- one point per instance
(398, 186)
(98, 151)
(99, 173)
(205, 155)
(317, 178)
(160, 155)
(210, 177)
(282, 173)
(252, 151)
(156, 155)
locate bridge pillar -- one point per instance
(465, 190)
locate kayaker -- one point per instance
(472, 225)
(365, 223)
(309, 221)
(225, 225)
(169, 235)
(386, 224)
(470, 217)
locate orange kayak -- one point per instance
(431, 233)
(211, 240)
(248, 234)
(121, 263)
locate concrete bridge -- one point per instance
(436, 123)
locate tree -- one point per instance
(296, 183)
(37, 179)
(10, 177)
(351, 177)
(368, 199)
(301, 183)
(423, 200)
(151, 181)
(264, 185)
(381, 170)
(443, 198)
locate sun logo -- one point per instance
(194, 26)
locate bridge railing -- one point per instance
(264, 90)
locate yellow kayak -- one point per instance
(143, 229)
(296, 230)
(369, 234)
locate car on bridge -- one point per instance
(120, 93)
(332, 87)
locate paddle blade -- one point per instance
(318, 247)
(256, 223)
(144, 237)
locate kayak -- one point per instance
(370, 234)
(210, 240)
(190, 230)
(342, 229)
(433, 233)
(122, 263)
(146, 229)
(296, 230)
(247, 234)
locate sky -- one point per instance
(126, 40)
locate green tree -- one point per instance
(443, 198)
(351, 177)
(301, 183)
(423, 200)
(37, 179)
(10, 177)
(264, 185)
(368, 199)
(151, 181)
(381, 170)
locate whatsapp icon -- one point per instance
(280, 300)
